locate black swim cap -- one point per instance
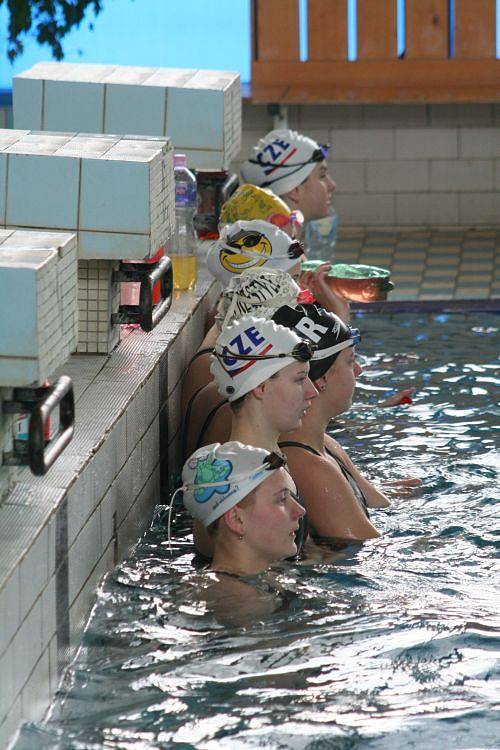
(325, 329)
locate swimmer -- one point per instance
(335, 493)
(245, 500)
(262, 369)
(242, 246)
(295, 168)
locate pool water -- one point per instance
(390, 644)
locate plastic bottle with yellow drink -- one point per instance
(183, 252)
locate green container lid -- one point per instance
(348, 270)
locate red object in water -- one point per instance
(305, 297)
(405, 400)
(157, 286)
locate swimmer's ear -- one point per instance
(258, 391)
(292, 198)
(234, 520)
(320, 383)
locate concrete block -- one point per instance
(135, 109)
(461, 175)
(329, 116)
(70, 107)
(191, 111)
(397, 176)
(479, 208)
(479, 143)
(355, 144)
(460, 115)
(115, 197)
(427, 208)
(426, 143)
(394, 115)
(27, 102)
(366, 210)
(42, 192)
(349, 175)
(33, 572)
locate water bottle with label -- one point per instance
(183, 252)
(321, 236)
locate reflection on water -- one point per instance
(390, 644)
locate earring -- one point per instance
(240, 537)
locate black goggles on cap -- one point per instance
(302, 352)
(274, 461)
(295, 249)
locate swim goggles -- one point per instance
(353, 340)
(318, 155)
(302, 352)
(295, 249)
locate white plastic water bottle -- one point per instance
(183, 254)
(321, 236)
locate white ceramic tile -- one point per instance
(3, 185)
(7, 694)
(35, 697)
(27, 646)
(33, 571)
(108, 510)
(10, 595)
(135, 109)
(114, 196)
(27, 96)
(81, 502)
(191, 112)
(42, 191)
(84, 554)
(49, 619)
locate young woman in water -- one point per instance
(262, 369)
(242, 245)
(246, 502)
(335, 493)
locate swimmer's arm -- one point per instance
(373, 496)
(331, 505)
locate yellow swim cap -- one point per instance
(251, 202)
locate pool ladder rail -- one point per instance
(38, 452)
(146, 313)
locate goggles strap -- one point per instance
(323, 353)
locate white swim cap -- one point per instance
(251, 244)
(258, 293)
(282, 160)
(250, 351)
(217, 477)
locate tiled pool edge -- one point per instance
(59, 534)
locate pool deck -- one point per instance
(430, 266)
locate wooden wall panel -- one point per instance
(327, 29)
(475, 28)
(277, 24)
(377, 29)
(427, 35)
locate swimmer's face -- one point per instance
(315, 193)
(288, 396)
(233, 257)
(269, 524)
(341, 381)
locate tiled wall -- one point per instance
(60, 533)
(402, 165)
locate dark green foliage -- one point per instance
(47, 20)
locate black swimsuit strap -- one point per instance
(200, 353)
(343, 468)
(293, 444)
(185, 421)
(206, 424)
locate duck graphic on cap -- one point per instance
(233, 256)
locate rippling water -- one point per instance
(390, 644)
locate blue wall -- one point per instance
(213, 34)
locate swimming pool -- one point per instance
(391, 644)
